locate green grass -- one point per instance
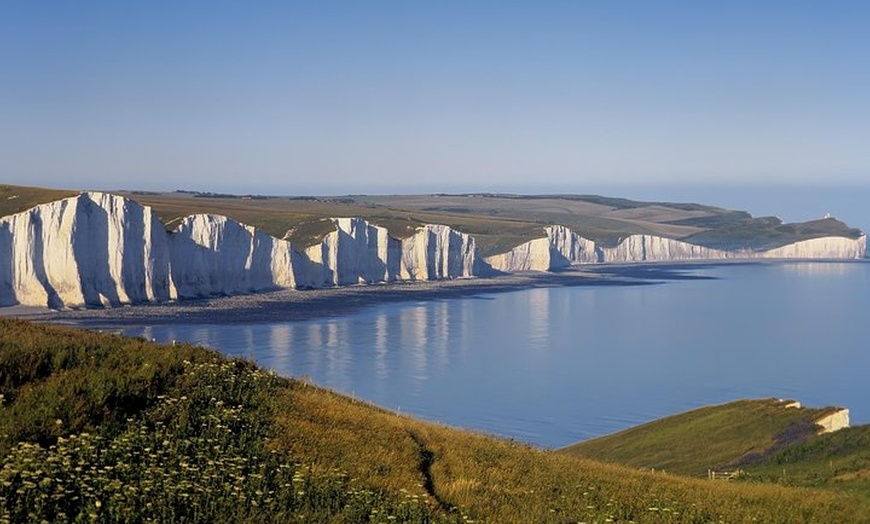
(498, 222)
(769, 232)
(304, 221)
(100, 428)
(15, 199)
(96, 427)
(713, 437)
(839, 460)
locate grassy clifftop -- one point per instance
(104, 428)
(15, 199)
(765, 440)
(712, 437)
(497, 222)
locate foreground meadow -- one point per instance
(100, 428)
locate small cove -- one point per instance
(554, 365)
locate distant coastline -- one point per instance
(100, 249)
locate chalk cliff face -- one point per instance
(820, 248)
(560, 248)
(214, 255)
(357, 252)
(95, 248)
(834, 422)
(650, 248)
(100, 249)
(437, 252)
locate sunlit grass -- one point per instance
(108, 429)
(15, 199)
(712, 437)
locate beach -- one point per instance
(303, 304)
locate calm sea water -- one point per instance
(552, 366)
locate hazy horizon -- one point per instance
(337, 97)
(790, 202)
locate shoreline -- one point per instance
(305, 304)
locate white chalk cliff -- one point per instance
(437, 252)
(820, 248)
(835, 421)
(214, 255)
(95, 248)
(101, 249)
(358, 252)
(561, 248)
(651, 248)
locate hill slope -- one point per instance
(114, 429)
(712, 437)
(839, 460)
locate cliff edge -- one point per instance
(102, 249)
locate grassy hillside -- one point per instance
(102, 428)
(770, 232)
(839, 460)
(713, 437)
(498, 222)
(15, 199)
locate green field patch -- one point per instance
(709, 438)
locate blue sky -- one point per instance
(377, 96)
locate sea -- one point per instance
(555, 365)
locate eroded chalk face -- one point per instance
(103, 249)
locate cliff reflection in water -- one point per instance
(556, 365)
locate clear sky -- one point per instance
(376, 96)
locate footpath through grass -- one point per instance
(101, 428)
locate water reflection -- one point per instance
(819, 268)
(441, 332)
(413, 323)
(382, 367)
(555, 365)
(539, 318)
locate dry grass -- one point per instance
(15, 199)
(349, 461)
(498, 222)
(494, 480)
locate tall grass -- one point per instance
(99, 428)
(105, 429)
